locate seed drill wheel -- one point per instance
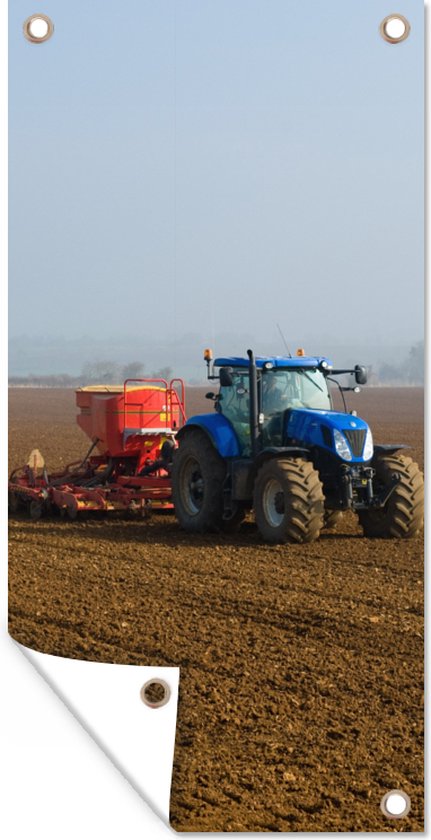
(13, 501)
(147, 510)
(72, 512)
(288, 501)
(403, 514)
(133, 511)
(198, 473)
(69, 512)
(49, 507)
(35, 509)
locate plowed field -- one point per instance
(301, 667)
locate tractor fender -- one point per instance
(244, 470)
(218, 429)
(280, 452)
(388, 448)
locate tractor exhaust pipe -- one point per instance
(254, 408)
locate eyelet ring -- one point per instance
(395, 28)
(155, 693)
(38, 28)
(395, 804)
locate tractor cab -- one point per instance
(282, 384)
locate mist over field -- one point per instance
(44, 356)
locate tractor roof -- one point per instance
(276, 361)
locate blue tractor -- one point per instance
(275, 444)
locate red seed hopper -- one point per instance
(131, 420)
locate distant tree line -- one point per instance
(95, 372)
(33, 380)
(409, 371)
(112, 372)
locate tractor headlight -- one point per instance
(368, 446)
(342, 448)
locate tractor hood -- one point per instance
(344, 435)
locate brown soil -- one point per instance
(301, 667)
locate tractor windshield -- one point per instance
(294, 388)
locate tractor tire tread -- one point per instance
(402, 517)
(304, 500)
(209, 518)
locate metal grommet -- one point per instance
(155, 693)
(395, 804)
(38, 28)
(395, 28)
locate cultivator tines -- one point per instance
(132, 428)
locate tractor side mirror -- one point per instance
(361, 375)
(225, 376)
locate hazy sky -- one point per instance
(217, 166)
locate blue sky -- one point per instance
(217, 166)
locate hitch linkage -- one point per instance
(350, 480)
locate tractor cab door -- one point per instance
(280, 390)
(234, 403)
(274, 403)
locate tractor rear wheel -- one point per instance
(403, 514)
(198, 474)
(288, 501)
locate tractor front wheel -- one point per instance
(289, 501)
(198, 474)
(403, 514)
